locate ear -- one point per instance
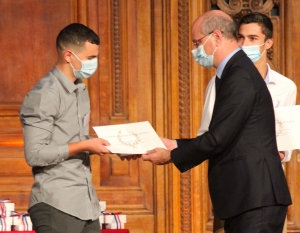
(67, 55)
(218, 37)
(269, 43)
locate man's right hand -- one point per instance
(94, 146)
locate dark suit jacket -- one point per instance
(245, 170)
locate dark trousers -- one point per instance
(47, 219)
(268, 219)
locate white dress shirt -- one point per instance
(283, 92)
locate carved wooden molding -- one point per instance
(185, 202)
(238, 8)
(242, 7)
(184, 108)
(118, 107)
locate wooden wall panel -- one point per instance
(28, 33)
(123, 95)
(28, 43)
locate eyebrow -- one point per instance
(239, 34)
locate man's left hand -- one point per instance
(158, 156)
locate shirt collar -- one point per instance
(66, 82)
(224, 62)
(269, 78)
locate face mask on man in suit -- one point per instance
(201, 57)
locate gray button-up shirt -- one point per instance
(54, 113)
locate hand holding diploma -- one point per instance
(94, 146)
(160, 156)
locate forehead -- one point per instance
(250, 29)
(89, 49)
(196, 34)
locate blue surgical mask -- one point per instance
(201, 57)
(88, 67)
(253, 51)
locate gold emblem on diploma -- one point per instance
(132, 139)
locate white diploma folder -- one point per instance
(288, 127)
(131, 138)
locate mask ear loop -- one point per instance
(78, 59)
(214, 51)
(264, 49)
(207, 40)
(72, 66)
(205, 43)
(215, 48)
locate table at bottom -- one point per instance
(102, 231)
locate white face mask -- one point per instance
(253, 51)
(201, 57)
(88, 67)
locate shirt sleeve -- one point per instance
(209, 102)
(37, 114)
(287, 156)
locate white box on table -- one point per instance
(101, 220)
(21, 219)
(21, 222)
(5, 223)
(6, 208)
(114, 226)
(112, 221)
(102, 205)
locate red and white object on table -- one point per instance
(101, 220)
(6, 206)
(21, 222)
(5, 223)
(115, 231)
(114, 220)
(102, 231)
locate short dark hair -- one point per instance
(263, 20)
(76, 34)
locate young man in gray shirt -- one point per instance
(55, 116)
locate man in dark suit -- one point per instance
(246, 181)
